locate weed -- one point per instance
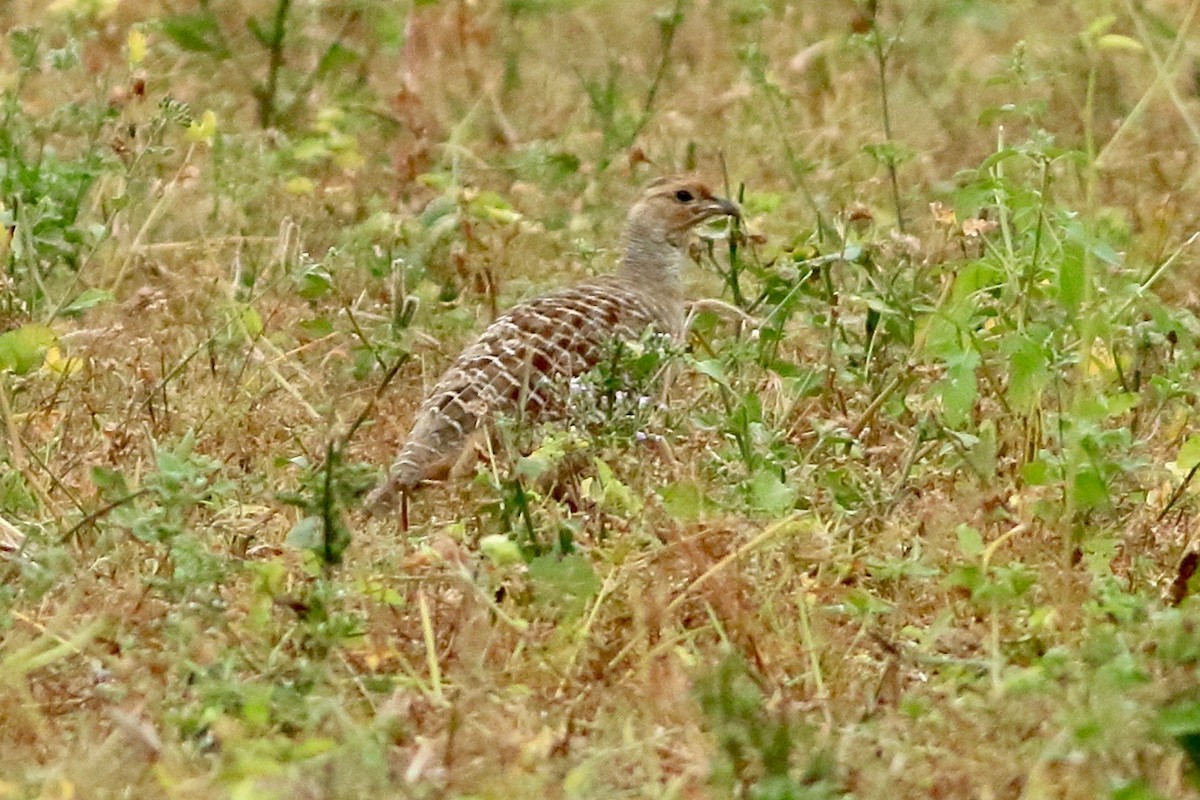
(908, 513)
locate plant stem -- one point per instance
(670, 27)
(266, 98)
(881, 62)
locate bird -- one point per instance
(521, 360)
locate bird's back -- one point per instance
(521, 365)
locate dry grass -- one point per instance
(861, 575)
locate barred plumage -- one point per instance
(526, 357)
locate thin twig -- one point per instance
(370, 406)
(101, 512)
(1179, 490)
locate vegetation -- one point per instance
(924, 528)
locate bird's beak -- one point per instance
(720, 207)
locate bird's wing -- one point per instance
(518, 366)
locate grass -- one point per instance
(925, 530)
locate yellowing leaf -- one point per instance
(1117, 42)
(60, 364)
(310, 150)
(251, 321)
(299, 185)
(1100, 25)
(204, 130)
(349, 160)
(328, 120)
(135, 43)
(500, 550)
(98, 9)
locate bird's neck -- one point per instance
(652, 260)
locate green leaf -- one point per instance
(769, 494)
(1136, 790)
(313, 281)
(310, 149)
(843, 484)
(998, 157)
(1072, 276)
(337, 57)
(1089, 489)
(968, 576)
(866, 603)
(1182, 722)
(970, 542)
(110, 483)
(24, 349)
(568, 581)
(713, 369)
(612, 494)
(982, 455)
(684, 500)
(549, 454)
(1189, 454)
(500, 550)
(1029, 371)
(89, 299)
(761, 202)
(958, 388)
(316, 746)
(1118, 404)
(492, 207)
(533, 466)
(317, 327)
(199, 33)
(306, 534)
(1036, 472)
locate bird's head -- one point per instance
(669, 208)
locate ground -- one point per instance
(918, 523)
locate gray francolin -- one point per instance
(531, 352)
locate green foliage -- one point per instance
(48, 165)
(566, 583)
(183, 480)
(24, 348)
(167, 511)
(325, 489)
(757, 749)
(284, 90)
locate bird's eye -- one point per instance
(684, 196)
